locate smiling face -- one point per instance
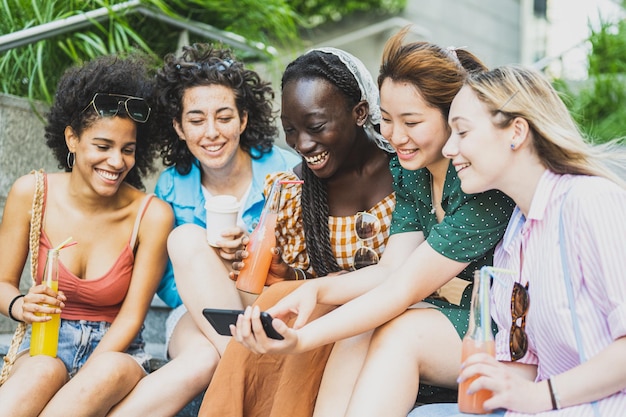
(319, 125)
(211, 125)
(104, 153)
(416, 130)
(480, 152)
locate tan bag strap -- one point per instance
(33, 244)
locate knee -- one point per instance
(115, 367)
(46, 368)
(185, 238)
(403, 332)
(197, 365)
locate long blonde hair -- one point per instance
(512, 91)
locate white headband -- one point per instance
(369, 93)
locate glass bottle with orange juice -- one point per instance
(252, 277)
(45, 335)
(478, 339)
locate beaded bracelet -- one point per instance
(17, 297)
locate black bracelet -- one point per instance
(17, 297)
(553, 396)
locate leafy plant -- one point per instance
(599, 104)
(33, 70)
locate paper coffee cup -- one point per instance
(221, 214)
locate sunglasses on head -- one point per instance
(221, 65)
(108, 105)
(366, 227)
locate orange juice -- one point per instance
(45, 335)
(256, 267)
(473, 403)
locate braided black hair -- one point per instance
(315, 209)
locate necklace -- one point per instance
(432, 199)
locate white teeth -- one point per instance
(214, 148)
(108, 175)
(317, 159)
(405, 151)
(462, 166)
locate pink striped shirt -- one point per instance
(595, 236)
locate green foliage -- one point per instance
(317, 12)
(34, 70)
(599, 104)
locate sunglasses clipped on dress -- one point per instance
(366, 227)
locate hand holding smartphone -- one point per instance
(221, 319)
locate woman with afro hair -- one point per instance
(99, 128)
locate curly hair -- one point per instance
(114, 74)
(201, 65)
(315, 209)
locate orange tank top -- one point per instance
(97, 299)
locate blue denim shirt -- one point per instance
(184, 194)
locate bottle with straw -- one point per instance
(479, 338)
(45, 335)
(252, 277)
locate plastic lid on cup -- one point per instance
(222, 204)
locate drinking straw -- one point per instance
(65, 244)
(488, 271)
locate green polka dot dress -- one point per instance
(469, 231)
(472, 226)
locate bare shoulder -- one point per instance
(158, 215)
(23, 187)
(20, 197)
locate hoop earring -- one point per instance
(71, 159)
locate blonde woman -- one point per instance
(564, 354)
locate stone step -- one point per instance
(154, 336)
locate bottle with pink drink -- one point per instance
(479, 338)
(257, 265)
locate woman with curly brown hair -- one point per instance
(99, 129)
(217, 132)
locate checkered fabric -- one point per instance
(290, 228)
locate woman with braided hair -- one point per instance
(330, 116)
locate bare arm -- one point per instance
(423, 272)
(14, 237)
(370, 297)
(595, 379)
(514, 387)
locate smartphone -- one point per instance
(221, 319)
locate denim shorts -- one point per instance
(79, 338)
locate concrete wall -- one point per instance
(22, 145)
(491, 29)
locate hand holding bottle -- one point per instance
(253, 276)
(38, 304)
(45, 334)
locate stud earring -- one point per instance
(512, 146)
